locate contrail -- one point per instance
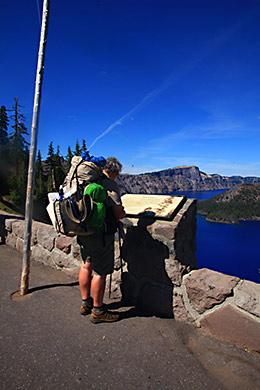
(147, 99)
(39, 13)
(174, 78)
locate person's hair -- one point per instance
(112, 165)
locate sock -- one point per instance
(98, 309)
(87, 302)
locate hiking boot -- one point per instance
(85, 309)
(103, 316)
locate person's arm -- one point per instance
(119, 211)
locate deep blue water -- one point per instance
(231, 249)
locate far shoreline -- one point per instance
(228, 222)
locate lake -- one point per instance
(232, 249)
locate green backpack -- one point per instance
(98, 195)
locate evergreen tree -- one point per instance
(40, 188)
(51, 167)
(17, 140)
(3, 126)
(77, 151)
(18, 182)
(50, 182)
(69, 157)
(59, 171)
(50, 156)
(83, 147)
(4, 151)
(19, 128)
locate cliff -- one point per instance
(186, 178)
(238, 203)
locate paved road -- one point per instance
(46, 344)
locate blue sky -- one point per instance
(157, 83)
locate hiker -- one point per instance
(97, 250)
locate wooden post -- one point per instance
(33, 148)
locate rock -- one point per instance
(118, 260)
(206, 288)
(167, 230)
(76, 250)
(174, 270)
(41, 255)
(231, 325)
(11, 240)
(247, 296)
(179, 178)
(64, 243)
(72, 272)
(129, 288)
(9, 223)
(156, 298)
(18, 228)
(46, 236)
(61, 260)
(115, 284)
(35, 227)
(179, 311)
(171, 244)
(145, 256)
(19, 244)
(126, 222)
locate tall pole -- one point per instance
(33, 148)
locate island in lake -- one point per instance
(240, 203)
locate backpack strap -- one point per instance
(98, 180)
(76, 173)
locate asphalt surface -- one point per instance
(46, 344)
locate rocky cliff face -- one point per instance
(186, 178)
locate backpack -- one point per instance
(79, 207)
(83, 170)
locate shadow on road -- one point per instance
(47, 286)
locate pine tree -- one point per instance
(4, 121)
(18, 181)
(51, 166)
(83, 147)
(17, 141)
(4, 151)
(19, 128)
(59, 172)
(50, 184)
(77, 151)
(50, 157)
(40, 188)
(69, 157)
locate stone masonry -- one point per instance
(158, 254)
(158, 273)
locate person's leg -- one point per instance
(99, 312)
(85, 275)
(98, 289)
(100, 249)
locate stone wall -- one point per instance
(158, 254)
(222, 305)
(158, 273)
(47, 246)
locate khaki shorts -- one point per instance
(98, 249)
